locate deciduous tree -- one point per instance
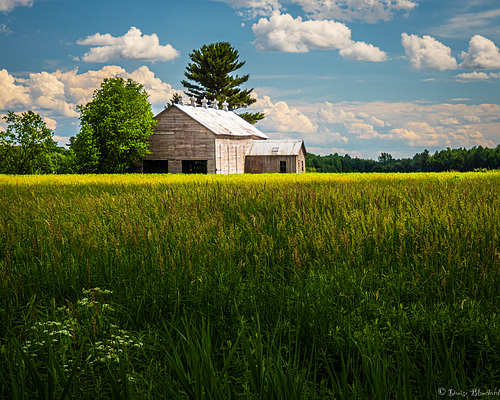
(115, 127)
(26, 145)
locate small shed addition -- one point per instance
(286, 156)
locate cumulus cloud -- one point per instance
(12, 95)
(482, 54)
(160, 93)
(406, 125)
(427, 53)
(131, 46)
(8, 5)
(473, 76)
(56, 95)
(360, 51)
(283, 33)
(279, 117)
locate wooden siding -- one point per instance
(230, 154)
(271, 164)
(301, 161)
(178, 137)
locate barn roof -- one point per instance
(275, 147)
(221, 122)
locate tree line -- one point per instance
(461, 159)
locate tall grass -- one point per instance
(346, 286)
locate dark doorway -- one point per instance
(194, 167)
(155, 166)
(283, 166)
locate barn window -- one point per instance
(283, 166)
(275, 149)
(194, 167)
(155, 166)
(302, 166)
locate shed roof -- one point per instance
(275, 148)
(221, 122)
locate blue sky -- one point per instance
(356, 77)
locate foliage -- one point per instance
(462, 160)
(115, 127)
(26, 145)
(210, 76)
(298, 286)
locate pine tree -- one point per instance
(210, 73)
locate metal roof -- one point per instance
(275, 147)
(221, 122)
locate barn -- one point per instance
(205, 139)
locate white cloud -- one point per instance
(464, 25)
(131, 46)
(366, 10)
(79, 88)
(360, 51)
(47, 93)
(427, 53)
(8, 5)
(380, 126)
(5, 29)
(159, 92)
(473, 76)
(283, 33)
(50, 123)
(56, 95)
(349, 10)
(11, 94)
(281, 118)
(256, 7)
(482, 54)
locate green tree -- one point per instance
(26, 145)
(210, 75)
(115, 127)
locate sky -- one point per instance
(356, 77)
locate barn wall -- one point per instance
(269, 164)
(301, 161)
(230, 154)
(178, 137)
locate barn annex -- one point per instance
(203, 139)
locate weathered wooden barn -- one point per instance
(203, 139)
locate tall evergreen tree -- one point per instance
(210, 75)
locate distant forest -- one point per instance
(460, 159)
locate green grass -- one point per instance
(257, 287)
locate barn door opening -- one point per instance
(155, 166)
(194, 167)
(283, 166)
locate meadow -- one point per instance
(307, 286)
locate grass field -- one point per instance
(337, 286)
